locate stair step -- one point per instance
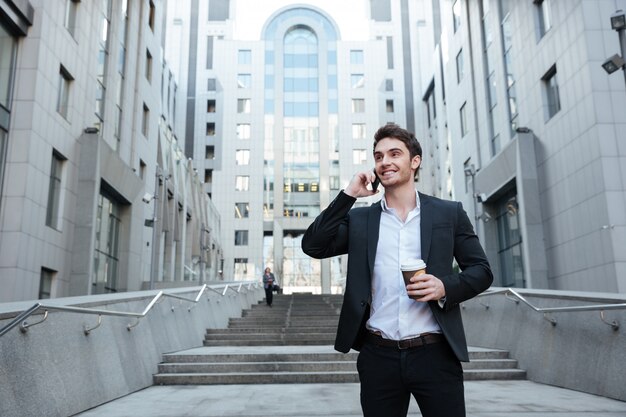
(287, 342)
(256, 378)
(255, 367)
(493, 374)
(269, 346)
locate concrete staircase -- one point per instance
(298, 319)
(292, 343)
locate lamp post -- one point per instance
(205, 247)
(154, 222)
(154, 253)
(470, 171)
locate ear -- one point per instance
(416, 162)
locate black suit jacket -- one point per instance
(446, 234)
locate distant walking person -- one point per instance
(410, 335)
(268, 284)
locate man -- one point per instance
(407, 346)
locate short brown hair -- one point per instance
(392, 130)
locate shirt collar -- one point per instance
(386, 209)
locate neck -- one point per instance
(402, 198)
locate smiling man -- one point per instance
(410, 336)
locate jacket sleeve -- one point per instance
(327, 236)
(475, 276)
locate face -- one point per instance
(267, 270)
(394, 164)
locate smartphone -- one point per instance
(376, 181)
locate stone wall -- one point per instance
(580, 352)
(55, 369)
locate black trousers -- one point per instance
(269, 296)
(431, 373)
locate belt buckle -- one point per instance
(399, 343)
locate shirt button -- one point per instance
(363, 303)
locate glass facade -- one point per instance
(300, 56)
(301, 169)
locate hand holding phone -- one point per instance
(376, 181)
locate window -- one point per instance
(211, 84)
(358, 131)
(463, 120)
(459, 66)
(357, 80)
(65, 78)
(208, 176)
(241, 268)
(209, 52)
(358, 105)
(243, 131)
(456, 14)
(210, 106)
(8, 47)
(509, 241)
(145, 120)
(71, 8)
(242, 156)
(468, 169)
(389, 106)
(244, 80)
(46, 279)
(491, 85)
(389, 52)
(142, 169)
(219, 10)
(544, 22)
(359, 156)
(389, 84)
(356, 57)
(107, 226)
(241, 238)
(242, 183)
(210, 129)
(209, 152)
(242, 210)
(245, 57)
(54, 190)
(551, 88)
(429, 101)
(243, 105)
(148, 66)
(151, 16)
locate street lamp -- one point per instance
(612, 64)
(618, 20)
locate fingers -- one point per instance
(426, 287)
(359, 183)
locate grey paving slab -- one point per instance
(483, 398)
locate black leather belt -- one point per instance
(421, 340)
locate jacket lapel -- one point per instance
(426, 226)
(373, 226)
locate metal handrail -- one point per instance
(517, 297)
(21, 318)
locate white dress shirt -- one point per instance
(393, 313)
